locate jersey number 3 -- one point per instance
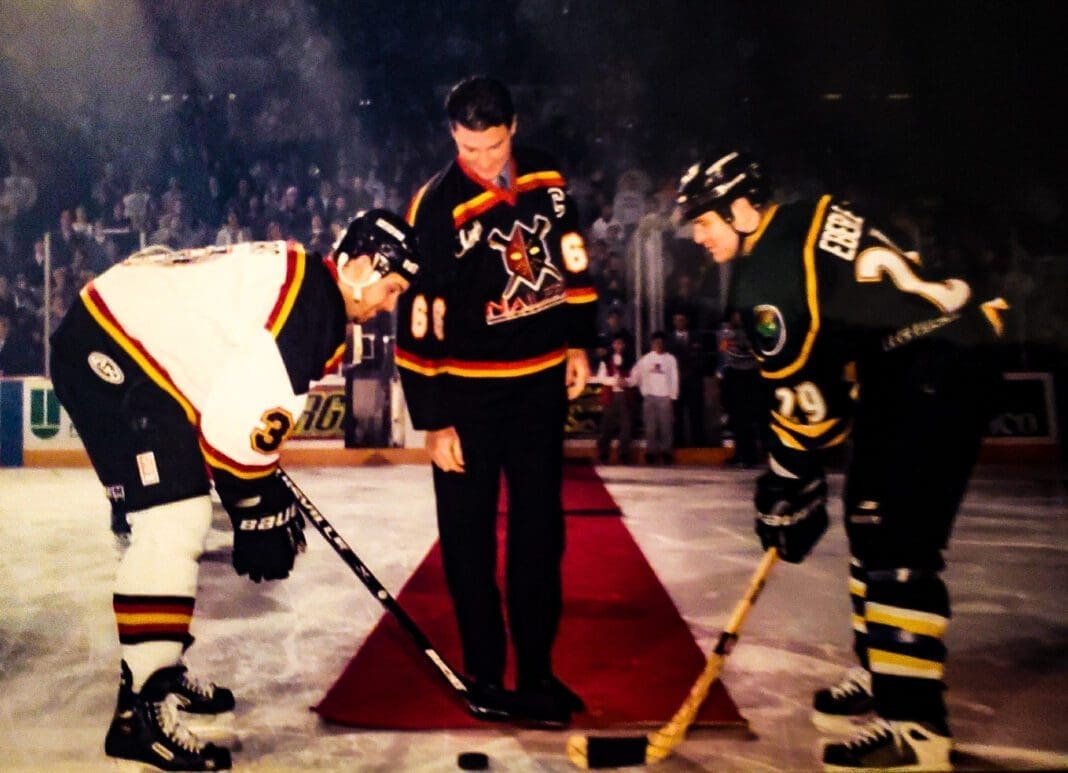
(277, 423)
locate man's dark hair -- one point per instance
(658, 336)
(478, 103)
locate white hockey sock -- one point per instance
(165, 544)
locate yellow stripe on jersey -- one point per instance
(787, 439)
(859, 625)
(811, 295)
(581, 295)
(808, 430)
(295, 266)
(413, 207)
(753, 238)
(895, 664)
(911, 620)
(478, 203)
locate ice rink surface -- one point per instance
(279, 646)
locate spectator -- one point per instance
(17, 352)
(359, 197)
(116, 218)
(64, 239)
(617, 401)
(231, 231)
(606, 227)
(690, 407)
(320, 239)
(613, 326)
(80, 224)
(741, 390)
(657, 377)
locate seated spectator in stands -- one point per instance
(275, 232)
(256, 220)
(681, 299)
(606, 227)
(359, 197)
(18, 356)
(343, 211)
(240, 200)
(232, 231)
(168, 232)
(116, 219)
(64, 239)
(291, 213)
(80, 223)
(612, 284)
(172, 195)
(139, 206)
(26, 296)
(319, 239)
(614, 325)
(326, 199)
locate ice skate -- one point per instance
(886, 745)
(147, 727)
(207, 709)
(841, 707)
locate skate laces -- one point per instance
(875, 733)
(856, 680)
(167, 713)
(203, 688)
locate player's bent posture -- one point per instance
(182, 368)
(491, 342)
(855, 340)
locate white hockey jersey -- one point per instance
(235, 334)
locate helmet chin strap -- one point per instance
(357, 288)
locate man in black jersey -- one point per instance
(490, 346)
(856, 341)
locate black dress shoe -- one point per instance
(556, 690)
(490, 702)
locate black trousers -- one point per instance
(520, 436)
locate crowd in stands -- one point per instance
(202, 192)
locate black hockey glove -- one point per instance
(268, 531)
(791, 513)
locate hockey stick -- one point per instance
(606, 752)
(502, 706)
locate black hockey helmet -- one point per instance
(713, 185)
(383, 237)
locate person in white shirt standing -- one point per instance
(657, 377)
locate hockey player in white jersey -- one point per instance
(183, 369)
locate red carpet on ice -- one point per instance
(622, 644)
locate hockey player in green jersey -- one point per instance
(857, 343)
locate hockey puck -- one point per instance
(473, 761)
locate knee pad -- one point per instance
(165, 543)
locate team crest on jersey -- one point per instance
(770, 329)
(106, 368)
(534, 283)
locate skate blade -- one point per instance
(131, 766)
(844, 724)
(214, 728)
